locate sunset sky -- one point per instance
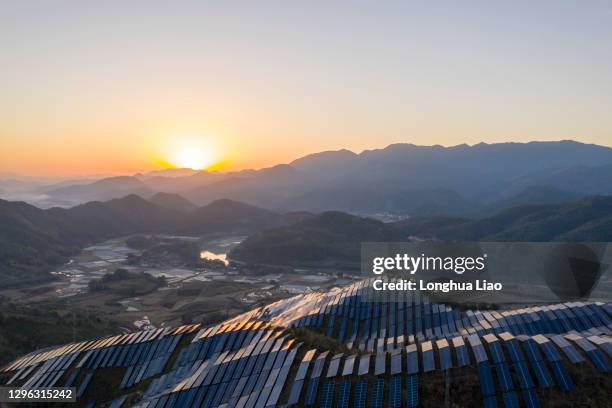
(121, 87)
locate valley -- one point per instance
(206, 290)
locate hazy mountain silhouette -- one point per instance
(401, 178)
(532, 195)
(333, 238)
(587, 219)
(104, 189)
(173, 202)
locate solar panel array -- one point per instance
(253, 360)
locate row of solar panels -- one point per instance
(360, 393)
(252, 376)
(80, 347)
(412, 313)
(443, 354)
(524, 356)
(379, 322)
(231, 363)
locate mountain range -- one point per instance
(402, 179)
(33, 240)
(333, 239)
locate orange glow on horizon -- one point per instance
(190, 151)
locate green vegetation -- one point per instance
(164, 251)
(331, 240)
(588, 220)
(34, 241)
(140, 242)
(125, 283)
(315, 339)
(27, 328)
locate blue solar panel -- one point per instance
(446, 361)
(395, 392)
(428, 361)
(344, 394)
(209, 397)
(510, 400)
(486, 378)
(380, 364)
(463, 357)
(542, 374)
(490, 402)
(412, 358)
(497, 354)
(311, 391)
(377, 393)
(562, 376)
(525, 380)
(396, 362)
(477, 348)
(531, 399)
(361, 391)
(412, 389)
(327, 394)
(296, 390)
(598, 360)
(84, 384)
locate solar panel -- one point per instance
(318, 366)
(446, 361)
(380, 364)
(84, 384)
(344, 394)
(603, 343)
(303, 368)
(376, 400)
(486, 378)
(380, 344)
(412, 388)
(461, 353)
(531, 399)
(296, 390)
(395, 392)
(510, 400)
(311, 391)
(361, 391)
(364, 364)
(396, 362)
(599, 360)
(535, 358)
(370, 345)
(400, 342)
(412, 359)
(479, 353)
(334, 365)
(429, 363)
(547, 348)
(327, 394)
(490, 402)
(349, 365)
(562, 376)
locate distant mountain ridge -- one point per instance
(333, 239)
(173, 202)
(402, 179)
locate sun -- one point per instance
(192, 158)
(192, 153)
